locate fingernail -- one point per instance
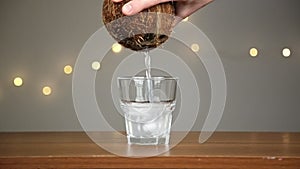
(127, 8)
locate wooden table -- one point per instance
(223, 150)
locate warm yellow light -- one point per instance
(195, 47)
(68, 69)
(286, 52)
(18, 81)
(116, 48)
(96, 65)
(47, 90)
(185, 19)
(253, 52)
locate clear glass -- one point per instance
(148, 104)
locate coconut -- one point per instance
(143, 31)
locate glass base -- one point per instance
(149, 141)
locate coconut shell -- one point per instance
(143, 31)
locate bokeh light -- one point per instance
(96, 65)
(116, 48)
(195, 47)
(47, 90)
(286, 52)
(18, 81)
(68, 69)
(253, 52)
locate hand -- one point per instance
(184, 8)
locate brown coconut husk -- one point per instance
(143, 31)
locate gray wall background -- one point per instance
(39, 37)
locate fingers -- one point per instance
(184, 7)
(136, 6)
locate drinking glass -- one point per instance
(147, 104)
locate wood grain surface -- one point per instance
(223, 150)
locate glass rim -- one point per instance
(146, 78)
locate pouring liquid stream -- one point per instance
(148, 76)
